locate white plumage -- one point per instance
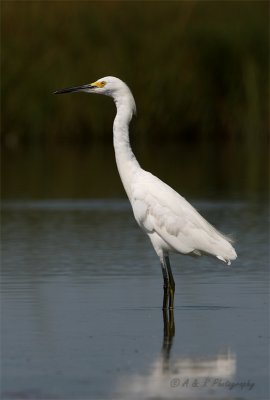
(160, 209)
(171, 223)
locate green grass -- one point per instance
(199, 70)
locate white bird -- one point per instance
(169, 220)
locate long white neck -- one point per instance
(126, 161)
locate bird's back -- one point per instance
(159, 208)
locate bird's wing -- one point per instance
(158, 208)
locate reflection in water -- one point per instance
(169, 331)
(67, 267)
(180, 377)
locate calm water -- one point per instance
(81, 307)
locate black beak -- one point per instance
(74, 89)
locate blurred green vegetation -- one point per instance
(205, 171)
(198, 70)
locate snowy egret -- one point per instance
(169, 220)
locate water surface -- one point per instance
(81, 306)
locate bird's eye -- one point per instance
(100, 84)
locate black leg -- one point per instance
(171, 282)
(169, 327)
(169, 285)
(165, 284)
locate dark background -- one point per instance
(199, 74)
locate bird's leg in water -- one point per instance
(169, 285)
(166, 283)
(169, 331)
(171, 282)
(169, 327)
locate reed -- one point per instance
(198, 70)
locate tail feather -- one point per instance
(228, 261)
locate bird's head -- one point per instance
(109, 86)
